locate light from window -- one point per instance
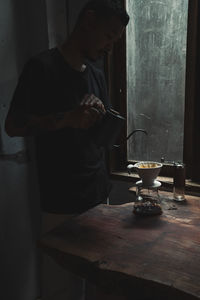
(156, 65)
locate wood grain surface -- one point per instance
(154, 257)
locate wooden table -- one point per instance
(129, 255)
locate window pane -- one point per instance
(156, 64)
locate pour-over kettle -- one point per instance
(106, 131)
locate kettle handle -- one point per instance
(130, 168)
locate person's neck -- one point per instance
(72, 54)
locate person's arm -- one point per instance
(83, 117)
(29, 125)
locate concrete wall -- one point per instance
(23, 32)
(57, 16)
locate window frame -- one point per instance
(116, 77)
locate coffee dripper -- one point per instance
(147, 195)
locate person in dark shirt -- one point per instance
(60, 96)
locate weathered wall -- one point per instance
(23, 32)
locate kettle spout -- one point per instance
(136, 130)
(130, 134)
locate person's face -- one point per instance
(100, 36)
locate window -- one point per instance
(156, 64)
(153, 75)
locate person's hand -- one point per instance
(91, 101)
(90, 110)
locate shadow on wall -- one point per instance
(30, 30)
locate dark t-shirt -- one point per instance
(71, 167)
